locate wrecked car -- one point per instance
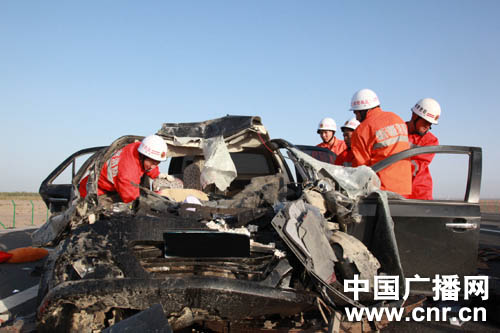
(267, 242)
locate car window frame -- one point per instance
(473, 187)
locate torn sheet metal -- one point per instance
(341, 187)
(386, 248)
(311, 252)
(219, 168)
(280, 276)
(356, 182)
(226, 126)
(239, 132)
(305, 227)
(51, 229)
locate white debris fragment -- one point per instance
(191, 199)
(15, 291)
(268, 324)
(159, 269)
(81, 268)
(91, 218)
(253, 228)
(120, 207)
(270, 246)
(4, 318)
(279, 254)
(215, 226)
(219, 168)
(220, 225)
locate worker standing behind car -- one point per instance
(326, 130)
(346, 157)
(424, 114)
(127, 166)
(380, 135)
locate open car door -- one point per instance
(57, 192)
(433, 236)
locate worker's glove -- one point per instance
(166, 176)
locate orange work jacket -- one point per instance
(421, 176)
(119, 172)
(381, 135)
(337, 146)
(345, 158)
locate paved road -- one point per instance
(23, 277)
(18, 282)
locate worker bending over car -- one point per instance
(380, 135)
(126, 168)
(424, 114)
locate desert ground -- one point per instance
(490, 206)
(28, 213)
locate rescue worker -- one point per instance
(326, 130)
(127, 166)
(346, 157)
(380, 135)
(424, 114)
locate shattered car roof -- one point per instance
(238, 132)
(227, 127)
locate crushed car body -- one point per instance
(244, 244)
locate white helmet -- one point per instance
(352, 124)
(153, 147)
(327, 124)
(428, 109)
(364, 99)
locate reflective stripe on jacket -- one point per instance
(421, 175)
(119, 172)
(380, 135)
(337, 146)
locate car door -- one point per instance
(433, 236)
(56, 190)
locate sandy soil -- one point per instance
(490, 206)
(27, 215)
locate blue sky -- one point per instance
(80, 74)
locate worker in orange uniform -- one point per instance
(127, 166)
(424, 114)
(346, 157)
(380, 134)
(326, 130)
